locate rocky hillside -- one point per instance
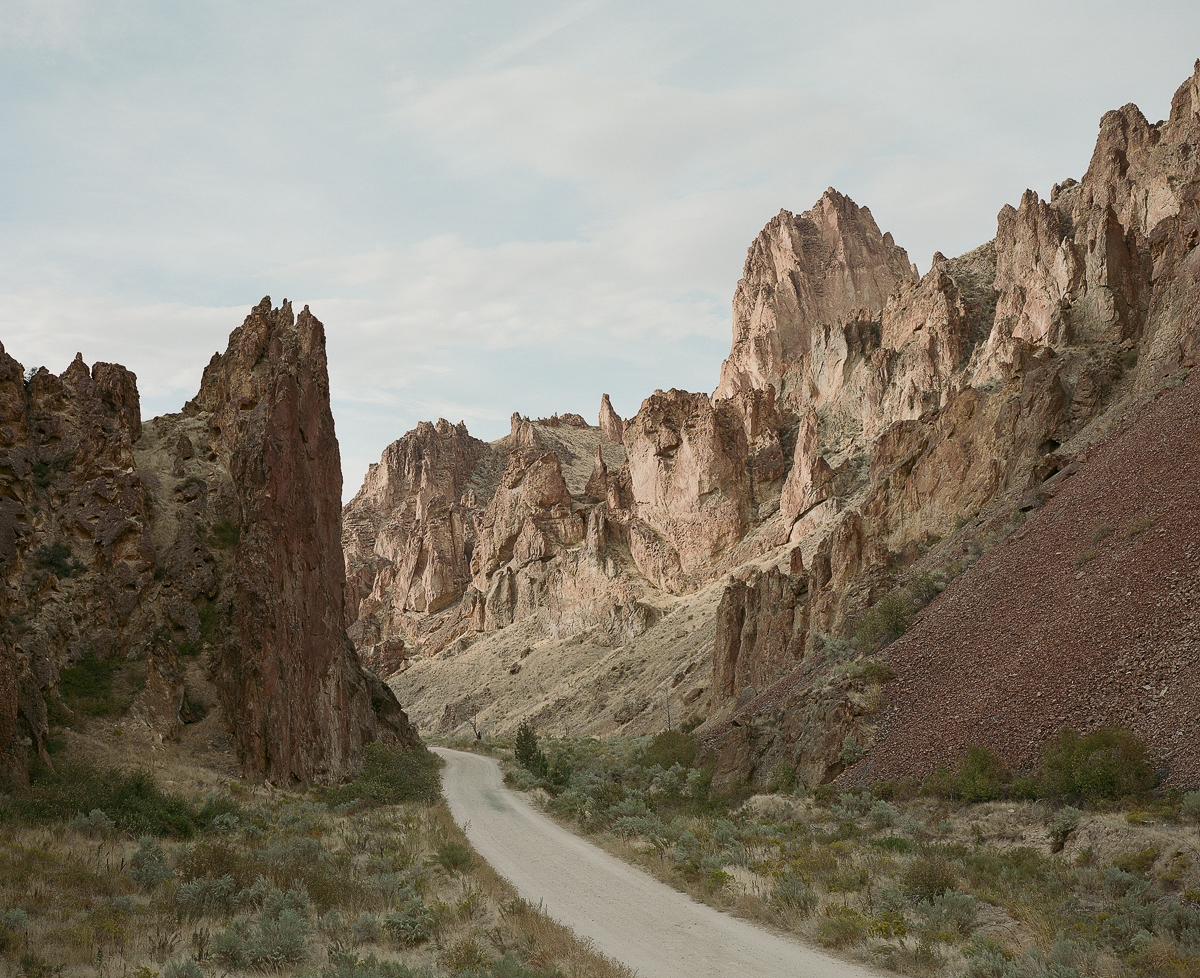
(868, 426)
(214, 530)
(1086, 616)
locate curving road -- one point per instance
(628, 915)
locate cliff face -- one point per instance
(216, 529)
(868, 424)
(268, 397)
(805, 274)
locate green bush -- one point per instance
(390, 776)
(979, 776)
(131, 800)
(526, 750)
(670, 747)
(884, 622)
(1108, 764)
(928, 877)
(455, 855)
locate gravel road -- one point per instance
(628, 915)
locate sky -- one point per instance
(508, 206)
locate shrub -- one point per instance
(95, 824)
(883, 815)
(928, 877)
(148, 865)
(884, 622)
(277, 939)
(411, 923)
(464, 955)
(390, 776)
(794, 894)
(366, 929)
(948, 918)
(1138, 862)
(206, 898)
(187, 968)
(842, 927)
(783, 779)
(699, 783)
(1065, 821)
(670, 747)
(1189, 806)
(131, 800)
(979, 776)
(526, 750)
(1108, 764)
(455, 855)
(851, 752)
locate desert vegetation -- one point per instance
(103, 872)
(1078, 867)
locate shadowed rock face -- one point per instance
(298, 700)
(115, 535)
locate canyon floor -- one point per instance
(630, 916)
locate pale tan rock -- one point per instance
(810, 480)
(610, 422)
(803, 274)
(597, 484)
(689, 476)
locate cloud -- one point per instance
(631, 138)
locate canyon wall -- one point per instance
(214, 531)
(865, 418)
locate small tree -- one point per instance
(526, 749)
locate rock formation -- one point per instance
(216, 528)
(867, 421)
(804, 275)
(611, 425)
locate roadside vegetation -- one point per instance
(1079, 867)
(105, 873)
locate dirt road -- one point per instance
(628, 915)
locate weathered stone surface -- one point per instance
(268, 397)
(597, 484)
(809, 481)
(803, 274)
(688, 471)
(408, 532)
(610, 422)
(762, 628)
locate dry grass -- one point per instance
(371, 890)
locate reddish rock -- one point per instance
(268, 397)
(761, 631)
